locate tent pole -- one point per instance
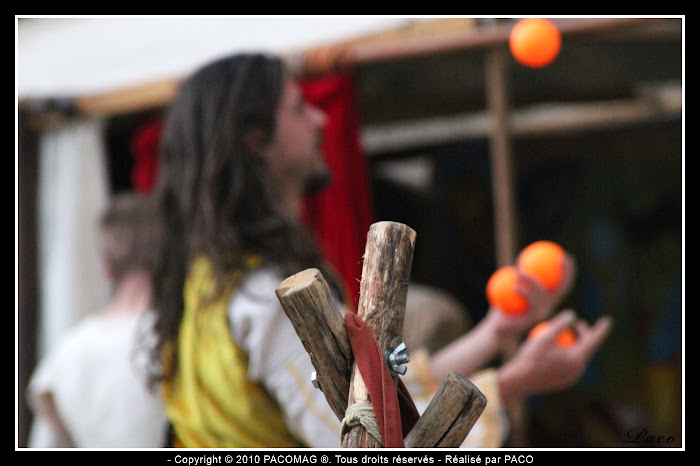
(503, 173)
(503, 190)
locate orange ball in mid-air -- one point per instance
(535, 42)
(543, 261)
(566, 338)
(501, 291)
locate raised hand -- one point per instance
(541, 365)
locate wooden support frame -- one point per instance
(349, 54)
(307, 301)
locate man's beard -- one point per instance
(320, 177)
(318, 181)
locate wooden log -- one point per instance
(385, 274)
(308, 302)
(450, 415)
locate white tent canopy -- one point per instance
(67, 56)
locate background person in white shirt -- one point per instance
(91, 390)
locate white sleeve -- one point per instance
(44, 433)
(278, 360)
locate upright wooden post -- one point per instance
(504, 186)
(502, 172)
(383, 289)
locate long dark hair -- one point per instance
(214, 191)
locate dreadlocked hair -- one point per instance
(214, 192)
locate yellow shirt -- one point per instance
(209, 400)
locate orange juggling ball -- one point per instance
(535, 42)
(501, 291)
(543, 261)
(566, 338)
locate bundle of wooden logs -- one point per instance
(308, 302)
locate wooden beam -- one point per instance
(503, 189)
(502, 171)
(348, 54)
(439, 37)
(540, 119)
(308, 302)
(450, 415)
(137, 98)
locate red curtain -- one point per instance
(341, 215)
(144, 150)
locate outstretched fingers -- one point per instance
(570, 268)
(591, 338)
(557, 324)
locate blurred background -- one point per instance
(450, 135)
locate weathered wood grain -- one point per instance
(308, 302)
(385, 273)
(450, 415)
